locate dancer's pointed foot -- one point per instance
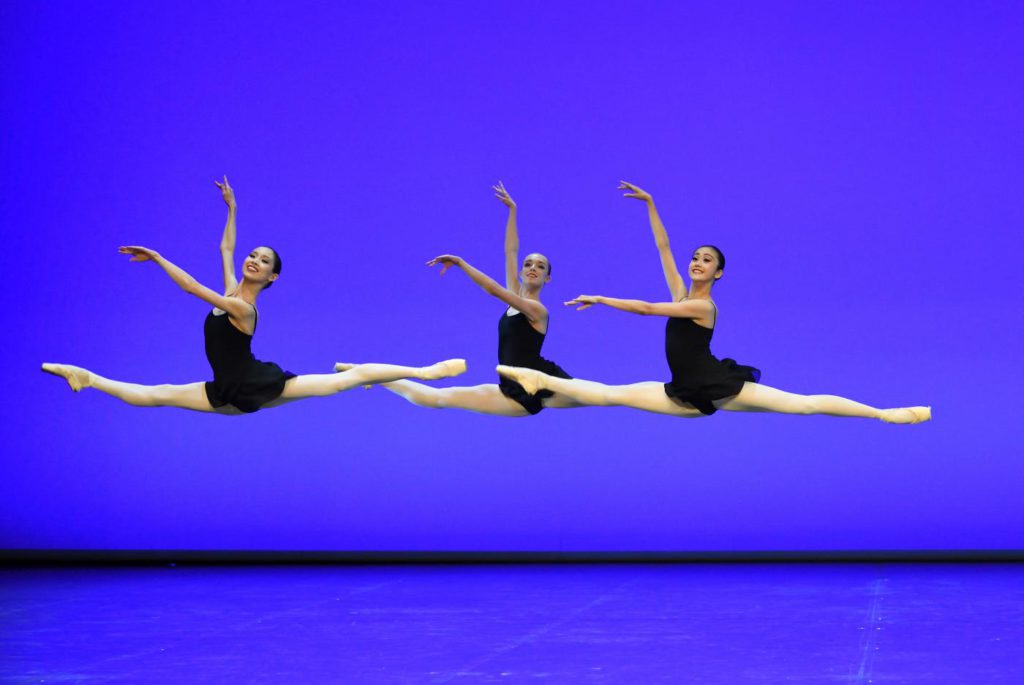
(445, 369)
(528, 378)
(76, 377)
(907, 415)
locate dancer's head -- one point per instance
(263, 265)
(706, 264)
(536, 271)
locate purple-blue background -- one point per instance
(858, 163)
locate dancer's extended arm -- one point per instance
(236, 307)
(686, 309)
(534, 310)
(511, 238)
(227, 241)
(675, 282)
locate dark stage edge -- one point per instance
(31, 557)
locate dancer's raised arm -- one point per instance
(675, 282)
(511, 238)
(236, 307)
(532, 309)
(686, 309)
(227, 241)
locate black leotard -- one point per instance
(519, 344)
(697, 376)
(239, 379)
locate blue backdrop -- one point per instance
(858, 163)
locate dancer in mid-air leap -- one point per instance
(521, 331)
(241, 383)
(701, 384)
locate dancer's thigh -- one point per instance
(650, 396)
(754, 397)
(561, 401)
(187, 396)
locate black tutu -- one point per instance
(262, 382)
(531, 403)
(698, 377)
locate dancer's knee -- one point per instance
(805, 404)
(814, 404)
(431, 399)
(146, 395)
(158, 395)
(609, 396)
(428, 398)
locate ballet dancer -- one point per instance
(521, 331)
(241, 383)
(701, 384)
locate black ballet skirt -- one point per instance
(239, 379)
(697, 376)
(519, 344)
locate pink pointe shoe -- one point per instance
(76, 377)
(907, 415)
(445, 369)
(528, 378)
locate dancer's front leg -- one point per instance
(647, 396)
(321, 385)
(188, 396)
(755, 397)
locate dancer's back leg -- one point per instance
(482, 399)
(647, 396)
(755, 397)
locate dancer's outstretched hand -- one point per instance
(446, 261)
(502, 194)
(139, 254)
(227, 192)
(634, 191)
(584, 301)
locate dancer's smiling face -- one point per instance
(536, 270)
(706, 264)
(262, 265)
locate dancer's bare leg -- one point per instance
(482, 399)
(188, 396)
(755, 397)
(324, 384)
(560, 401)
(648, 396)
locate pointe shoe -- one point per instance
(907, 415)
(76, 377)
(528, 378)
(445, 369)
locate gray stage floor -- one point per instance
(569, 623)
